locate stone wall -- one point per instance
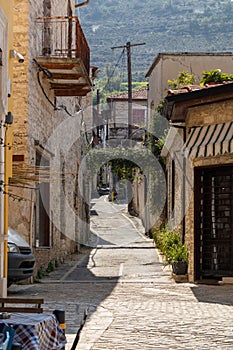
(215, 113)
(39, 127)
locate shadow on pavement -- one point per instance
(82, 272)
(78, 293)
(217, 294)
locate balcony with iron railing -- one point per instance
(62, 50)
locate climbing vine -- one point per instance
(123, 168)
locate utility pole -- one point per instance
(98, 111)
(129, 69)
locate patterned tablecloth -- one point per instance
(37, 331)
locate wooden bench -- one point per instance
(10, 305)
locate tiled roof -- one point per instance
(188, 97)
(184, 89)
(140, 94)
(191, 88)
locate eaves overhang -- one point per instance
(176, 106)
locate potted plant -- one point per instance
(176, 254)
(178, 258)
(214, 76)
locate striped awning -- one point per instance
(210, 140)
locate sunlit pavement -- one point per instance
(130, 299)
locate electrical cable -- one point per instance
(44, 70)
(60, 108)
(44, 93)
(123, 67)
(64, 108)
(116, 65)
(49, 75)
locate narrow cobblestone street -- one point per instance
(131, 301)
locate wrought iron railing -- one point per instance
(62, 37)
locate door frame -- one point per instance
(198, 172)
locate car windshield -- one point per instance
(14, 237)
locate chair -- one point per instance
(11, 305)
(7, 335)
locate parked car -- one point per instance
(21, 261)
(103, 190)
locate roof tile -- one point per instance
(140, 94)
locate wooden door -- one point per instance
(214, 222)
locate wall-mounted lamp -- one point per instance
(14, 54)
(0, 57)
(9, 118)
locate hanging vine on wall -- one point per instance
(158, 130)
(122, 159)
(123, 168)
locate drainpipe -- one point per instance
(82, 4)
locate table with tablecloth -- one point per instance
(37, 331)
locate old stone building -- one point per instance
(52, 120)
(118, 123)
(199, 165)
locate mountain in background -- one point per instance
(164, 25)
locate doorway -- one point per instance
(214, 222)
(42, 208)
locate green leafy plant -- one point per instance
(158, 131)
(51, 266)
(123, 168)
(41, 272)
(215, 76)
(169, 243)
(183, 79)
(178, 253)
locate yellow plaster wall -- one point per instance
(20, 79)
(8, 6)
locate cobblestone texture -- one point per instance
(140, 308)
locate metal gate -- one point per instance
(214, 222)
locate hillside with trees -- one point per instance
(163, 25)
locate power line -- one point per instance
(129, 68)
(116, 65)
(123, 66)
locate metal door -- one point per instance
(214, 222)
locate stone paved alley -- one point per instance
(131, 301)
